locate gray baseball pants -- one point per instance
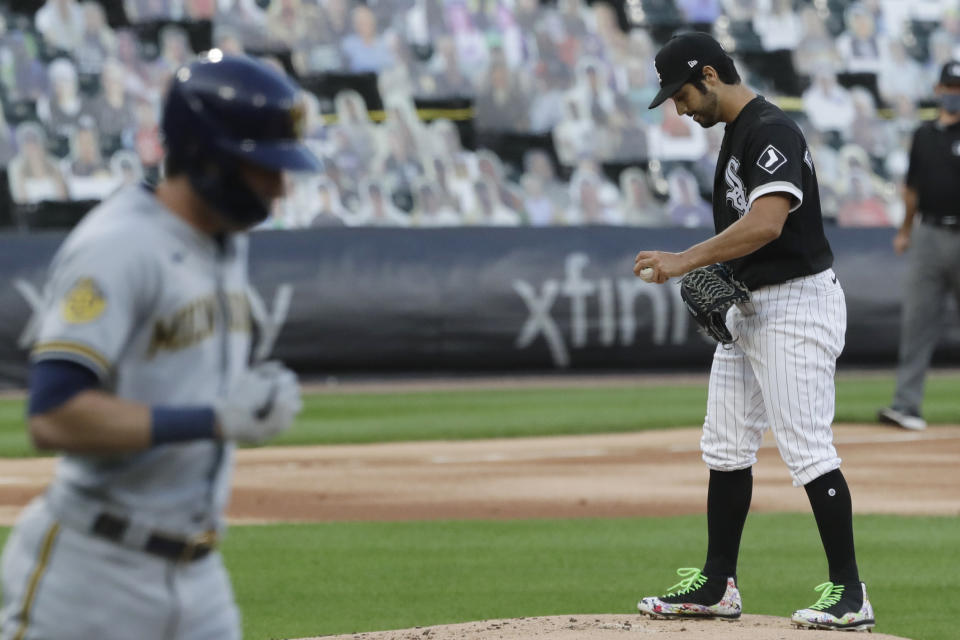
(60, 583)
(933, 274)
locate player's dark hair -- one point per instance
(726, 71)
(172, 166)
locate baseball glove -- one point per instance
(708, 292)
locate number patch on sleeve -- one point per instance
(771, 159)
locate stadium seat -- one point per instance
(47, 52)
(836, 17)
(612, 170)
(89, 83)
(51, 214)
(511, 148)
(325, 86)
(6, 202)
(20, 111)
(457, 110)
(866, 80)
(58, 145)
(199, 32)
(283, 55)
(24, 7)
(745, 39)
(660, 17)
(110, 144)
(916, 39)
(658, 12)
(776, 67)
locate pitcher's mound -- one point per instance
(610, 627)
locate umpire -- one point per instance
(932, 194)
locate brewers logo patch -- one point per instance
(771, 159)
(83, 303)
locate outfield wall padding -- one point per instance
(344, 300)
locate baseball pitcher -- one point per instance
(781, 327)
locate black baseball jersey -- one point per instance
(934, 167)
(764, 152)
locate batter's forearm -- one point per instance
(93, 422)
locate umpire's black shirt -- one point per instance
(764, 152)
(934, 169)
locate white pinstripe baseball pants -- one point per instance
(779, 374)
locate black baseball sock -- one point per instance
(830, 499)
(728, 501)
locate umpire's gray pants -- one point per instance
(933, 274)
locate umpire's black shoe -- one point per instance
(902, 418)
(696, 596)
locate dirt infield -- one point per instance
(634, 474)
(608, 627)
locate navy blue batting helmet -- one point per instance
(221, 111)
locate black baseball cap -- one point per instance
(950, 74)
(682, 59)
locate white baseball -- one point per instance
(646, 274)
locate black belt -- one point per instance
(179, 549)
(942, 222)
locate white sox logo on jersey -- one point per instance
(735, 193)
(771, 159)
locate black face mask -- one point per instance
(221, 184)
(950, 102)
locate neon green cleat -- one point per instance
(696, 596)
(839, 607)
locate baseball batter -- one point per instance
(779, 373)
(141, 377)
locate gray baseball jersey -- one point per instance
(159, 311)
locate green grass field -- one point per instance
(301, 580)
(346, 577)
(456, 415)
